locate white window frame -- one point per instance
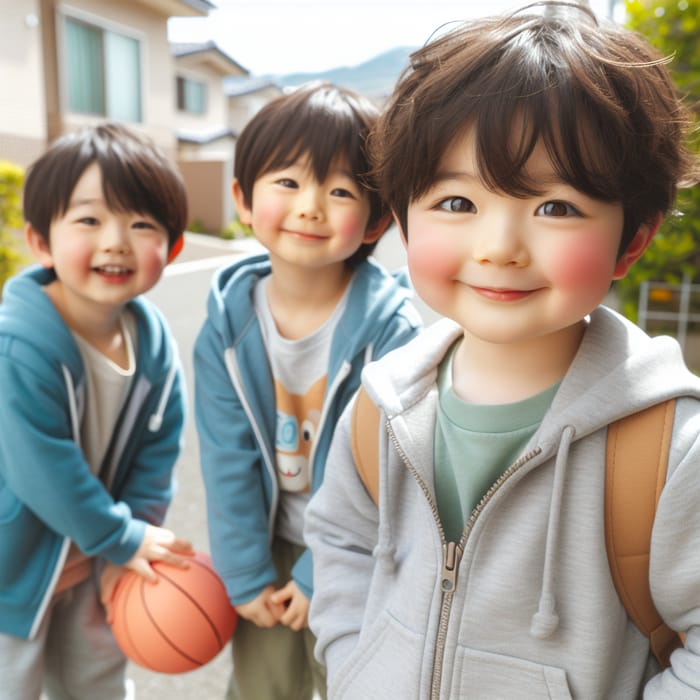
(103, 24)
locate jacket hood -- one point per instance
(618, 370)
(375, 295)
(27, 314)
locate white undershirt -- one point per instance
(107, 386)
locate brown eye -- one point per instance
(458, 205)
(557, 208)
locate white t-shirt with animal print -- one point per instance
(299, 369)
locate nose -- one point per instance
(501, 243)
(309, 205)
(115, 238)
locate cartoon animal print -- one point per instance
(298, 416)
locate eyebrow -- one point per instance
(85, 200)
(544, 180)
(442, 175)
(343, 172)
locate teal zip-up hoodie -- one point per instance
(235, 409)
(48, 495)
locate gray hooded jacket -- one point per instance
(523, 606)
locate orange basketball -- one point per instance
(178, 624)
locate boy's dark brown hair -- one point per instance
(598, 97)
(320, 120)
(136, 176)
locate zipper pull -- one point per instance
(450, 561)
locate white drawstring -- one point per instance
(546, 620)
(156, 419)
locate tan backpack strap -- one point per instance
(636, 463)
(365, 441)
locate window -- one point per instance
(103, 71)
(191, 95)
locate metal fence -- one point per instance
(671, 304)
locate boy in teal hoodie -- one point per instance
(92, 410)
(279, 356)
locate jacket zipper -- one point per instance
(451, 557)
(451, 552)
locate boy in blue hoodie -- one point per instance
(92, 409)
(280, 354)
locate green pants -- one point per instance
(275, 663)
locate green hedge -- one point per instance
(11, 258)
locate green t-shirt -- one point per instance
(475, 444)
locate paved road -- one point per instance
(181, 295)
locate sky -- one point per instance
(290, 36)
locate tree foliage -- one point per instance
(11, 179)
(673, 26)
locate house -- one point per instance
(216, 98)
(67, 63)
(246, 96)
(205, 136)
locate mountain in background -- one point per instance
(373, 78)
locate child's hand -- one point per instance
(261, 611)
(159, 544)
(296, 614)
(108, 584)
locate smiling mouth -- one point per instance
(306, 236)
(503, 295)
(112, 270)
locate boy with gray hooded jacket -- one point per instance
(528, 161)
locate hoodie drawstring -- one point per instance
(385, 550)
(156, 419)
(546, 620)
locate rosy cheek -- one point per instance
(153, 263)
(431, 257)
(584, 262)
(351, 225)
(266, 214)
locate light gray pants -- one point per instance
(74, 655)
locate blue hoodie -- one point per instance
(48, 495)
(235, 409)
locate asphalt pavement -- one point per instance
(181, 296)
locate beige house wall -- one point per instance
(242, 108)
(22, 105)
(208, 192)
(220, 149)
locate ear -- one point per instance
(641, 241)
(177, 248)
(372, 235)
(38, 246)
(242, 209)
